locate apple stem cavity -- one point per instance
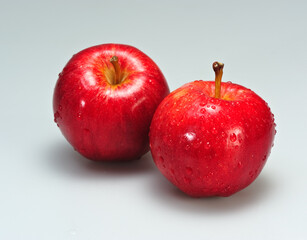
(117, 77)
(218, 69)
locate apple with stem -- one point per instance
(210, 138)
(104, 101)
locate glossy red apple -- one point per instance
(104, 101)
(212, 139)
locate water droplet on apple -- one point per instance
(213, 107)
(233, 137)
(173, 122)
(240, 164)
(223, 134)
(161, 159)
(202, 110)
(187, 147)
(207, 145)
(214, 131)
(56, 116)
(79, 115)
(264, 158)
(189, 170)
(202, 104)
(229, 82)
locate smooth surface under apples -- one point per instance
(104, 109)
(208, 146)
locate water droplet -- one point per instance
(207, 145)
(202, 104)
(264, 158)
(233, 137)
(213, 107)
(214, 131)
(189, 170)
(161, 159)
(202, 110)
(79, 115)
(223, 134)
(229, 82)
(187, 147)
(56, 116)
(240, 164)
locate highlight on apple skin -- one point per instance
(104, 101)
(211, 138)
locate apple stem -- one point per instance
(114, 61)
(218, 69)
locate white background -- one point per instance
(48, 191)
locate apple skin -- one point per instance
(208, 146)
(104, 121)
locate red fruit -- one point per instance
(212, 144)
(104, 101)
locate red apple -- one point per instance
(104, 101)
(212, 139)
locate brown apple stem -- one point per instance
(114, 61)
(218, 69)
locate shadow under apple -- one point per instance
(255, 194)
(62, 158)
(65, 160)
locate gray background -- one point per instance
(48, 191)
